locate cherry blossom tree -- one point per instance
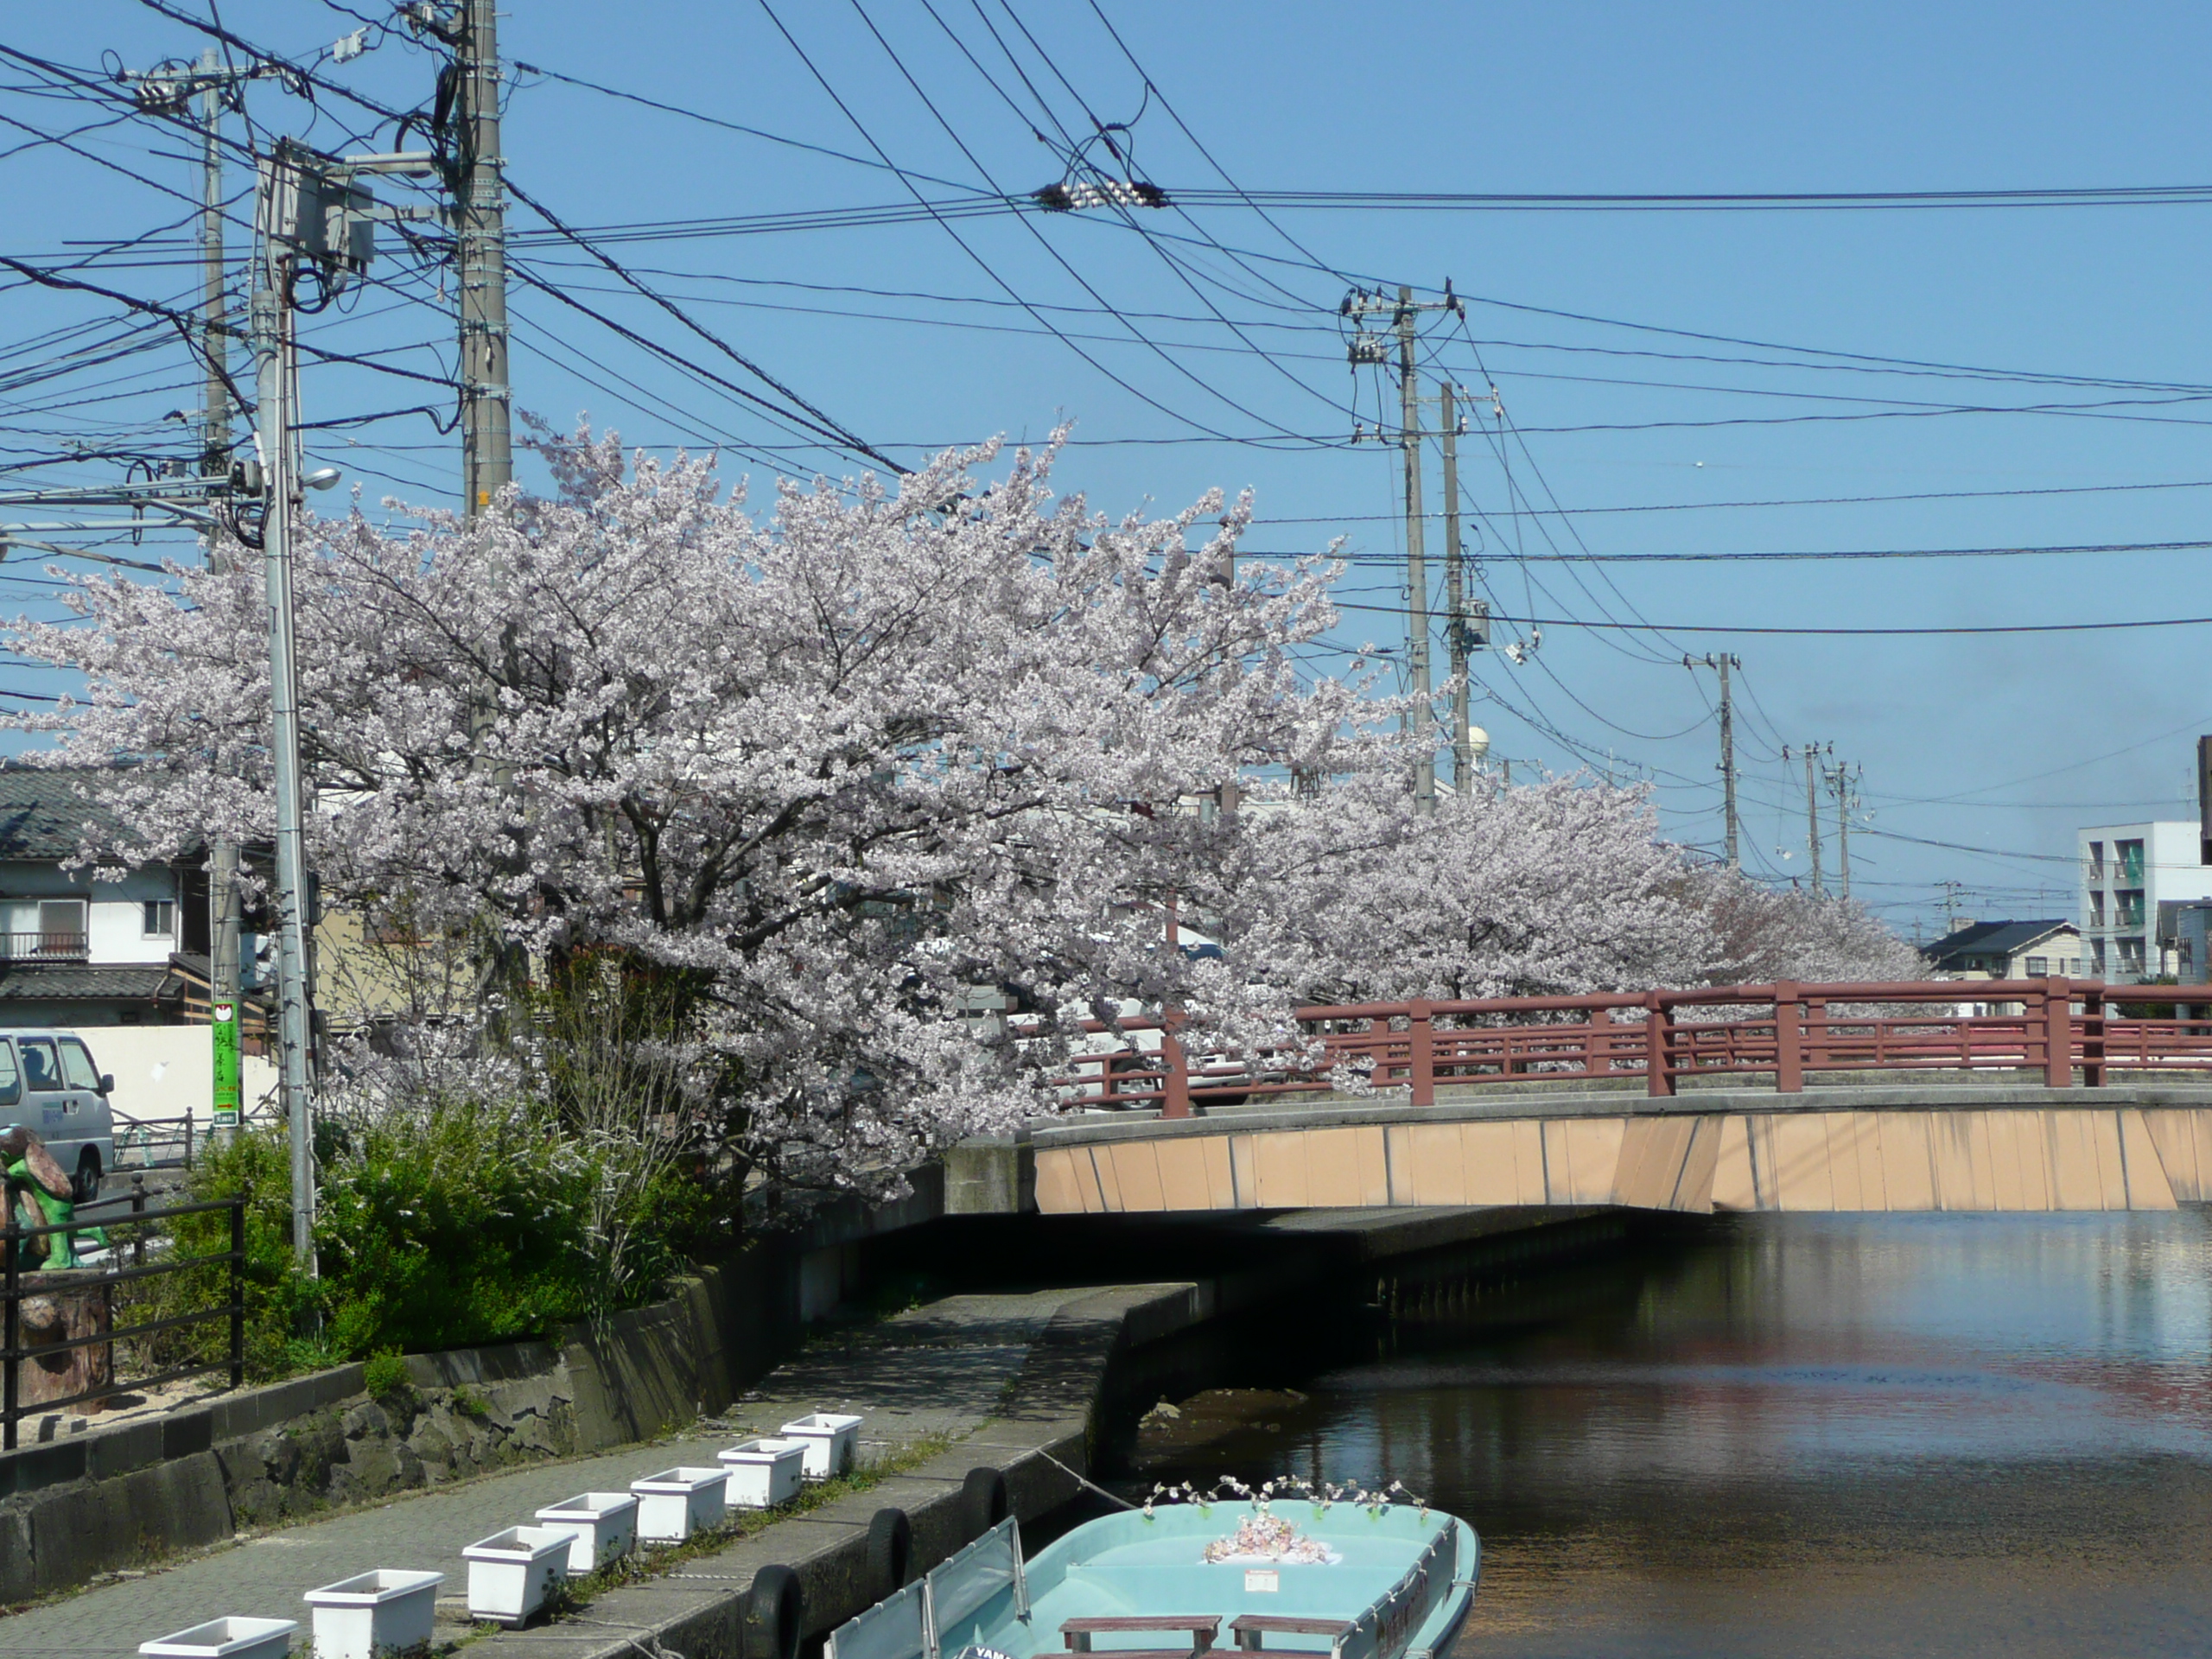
(1349, 895)
(830, 769)
(1763, 934)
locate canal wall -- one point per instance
(121, 1498)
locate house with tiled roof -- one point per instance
(2007, 951)
(86, 947)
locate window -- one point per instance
(77, 1068)
(2128, 854)
(62, 928)
(12, 1081)
(161, 918)
(2038, 967)
(2096, 907)
(40, 1069)
(2128, 908)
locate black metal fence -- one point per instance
(15, 1291)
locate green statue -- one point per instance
(29, 1163)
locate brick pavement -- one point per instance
(939, 1370)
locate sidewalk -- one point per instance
(942, 1370)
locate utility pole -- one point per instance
(487, 439)
(228, 1100)
(1455, 598)
(1405, 316)
(1416, 552)
(283, 193)
(1730, 826)
(1812, 810)
(1840, 783)
(1951, 891)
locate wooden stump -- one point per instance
(58, 1307)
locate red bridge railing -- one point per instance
(1781, 1031)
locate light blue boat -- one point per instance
(1395, 1583)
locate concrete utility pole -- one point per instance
(281, 189)
(1813, 814)
(1405, 315)
(1732, 827)
(227, 1096)
(1455, 596)
(1416, 550)
(1840, 784)
(487, 440)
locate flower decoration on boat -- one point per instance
(1264, 1537)
(1322, 1495)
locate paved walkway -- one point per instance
(942, 1369)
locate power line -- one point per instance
(1816, 555)
(2181, 195)
(1700, 627)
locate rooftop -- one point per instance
(1990, 939)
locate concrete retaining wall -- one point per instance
(119, 1496)
(1050, 1419)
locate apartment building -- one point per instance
(2127, 871)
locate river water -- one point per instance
(1805, 1435)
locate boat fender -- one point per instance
(773, 1615)
(889, 1552)
(982, 1501)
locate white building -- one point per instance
(2127, 871)
(81, 947)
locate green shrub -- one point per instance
(554, 1174)
(387, 1374)
(281, 1302)
(464, 1224)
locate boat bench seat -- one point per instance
(1250, 1629)
(1202, 1627)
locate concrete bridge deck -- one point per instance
(1924, 1145)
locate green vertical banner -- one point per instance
(226, 1021)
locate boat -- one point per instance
(1368, 1579)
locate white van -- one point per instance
(48, 1083)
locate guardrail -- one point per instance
(15, 1291)
(1782, 1031)
(159, 1142)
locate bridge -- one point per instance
(2035, 1095)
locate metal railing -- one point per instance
(155, 1143)
(1782, 1032)
(45, 947)
(14, 1291)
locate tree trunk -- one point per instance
(54, 1313)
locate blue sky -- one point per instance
(1221, 320)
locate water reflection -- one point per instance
(1853, 1435)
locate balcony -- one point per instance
(45, 947)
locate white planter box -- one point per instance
(677, 1503)
(830, 1440)
(763, 1473)
(601, 1528)
(380, 1611)
(226, 1638)
(512, 1574)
